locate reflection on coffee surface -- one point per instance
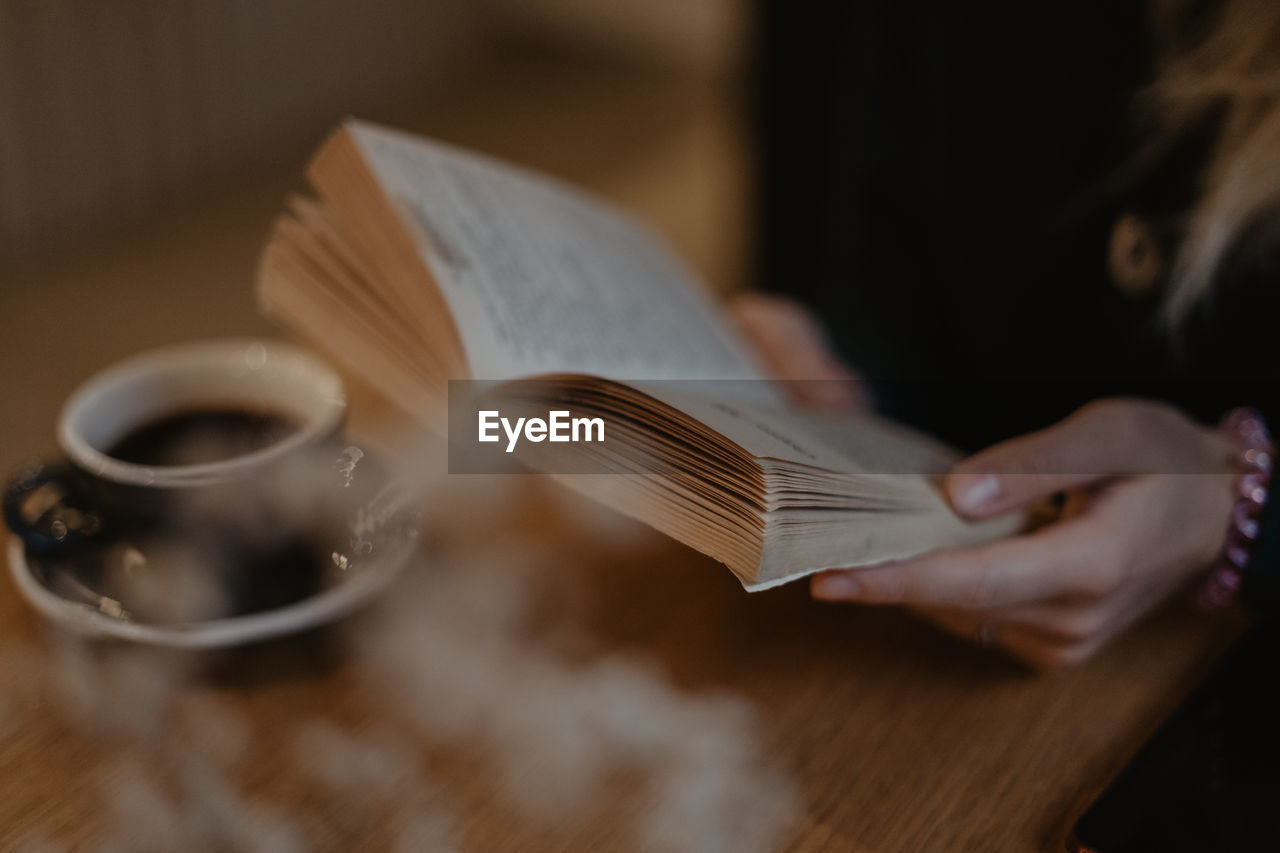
(201, 436)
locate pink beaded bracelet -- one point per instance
(1248, 430)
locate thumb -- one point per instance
(1082, 449)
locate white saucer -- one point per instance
(324, 607)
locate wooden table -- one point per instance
(896, 737)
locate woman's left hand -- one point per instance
(1149, 495)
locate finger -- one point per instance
(1060, 621)
(795, 351)
(768, 317)
(1064, 620)
(1105, 439)
(782, 332)
(1046, 654)
(1053, 634)
(1036, 650)
(1071, 557)
(1093, 624)
(1018, 471)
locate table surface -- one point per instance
(896, 737)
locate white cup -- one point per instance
(251, 375)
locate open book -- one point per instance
(416, 263)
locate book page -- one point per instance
(766, 428)
(876, 445)
(760, 425)
(850, 540)
(542, 278)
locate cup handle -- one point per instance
(58, 527)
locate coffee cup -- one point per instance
(172, 439)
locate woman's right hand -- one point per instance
(1149, 493)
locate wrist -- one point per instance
(1254, 460)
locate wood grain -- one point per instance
(900, 738)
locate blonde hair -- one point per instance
(1229, 74)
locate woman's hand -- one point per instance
(1148, 498)
(1148, 495)
(795, 352)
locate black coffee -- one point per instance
(199, 436)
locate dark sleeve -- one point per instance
(919, 164)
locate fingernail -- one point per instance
(835, 587)
(980, 491)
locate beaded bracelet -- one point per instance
(1248, 430)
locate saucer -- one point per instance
(78, 592)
